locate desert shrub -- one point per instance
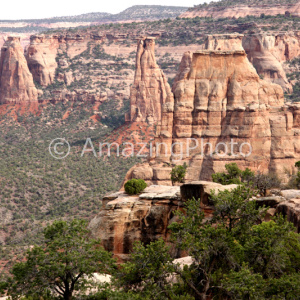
(233, 175)
(263, 182)
(178, 173)
(135, 186)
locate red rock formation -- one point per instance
(150, 95)
(224, 42)
(16, 82)
(266, 52)
(40, 56)
(219, 97)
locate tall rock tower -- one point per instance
(16, 81)
(150, 95)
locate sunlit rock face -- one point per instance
(223, 112)
(150, 94)
(40, 57)
(16, 81)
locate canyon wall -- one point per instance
(16, 81)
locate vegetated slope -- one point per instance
(134, 13)
(147, 12)
(36, 188)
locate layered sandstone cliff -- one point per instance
(267, 52)
(241, 10)
(16, 81)
(220, 99)
(40, 56)
(150, 94)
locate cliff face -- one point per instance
(219, 97)
(40, 57)
(126, 219)
(150, 94)
(268, 52)
(16, 81)
(240, 10)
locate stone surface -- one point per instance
(267, 52)
(291, 209)
(291, 194)
(16, 82)
(146, 217)
(127, 219)
(202, 190)
(269, 201)
(40, 57)
(150, 95)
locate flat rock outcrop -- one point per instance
(125, 219)
(40, 56)
(150, 95)
(291, 209)
(16, 81)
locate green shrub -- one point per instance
(178, 173)
(234, 175)
(135, 186)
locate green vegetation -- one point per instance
(135, 186)
(178, 173)
(63, 264)
(234, 254)
(36, 188)
(233, 176)
(294, 77)
(259, 181)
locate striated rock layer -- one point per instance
(150, 94)
(16, 81)
(220, 99)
